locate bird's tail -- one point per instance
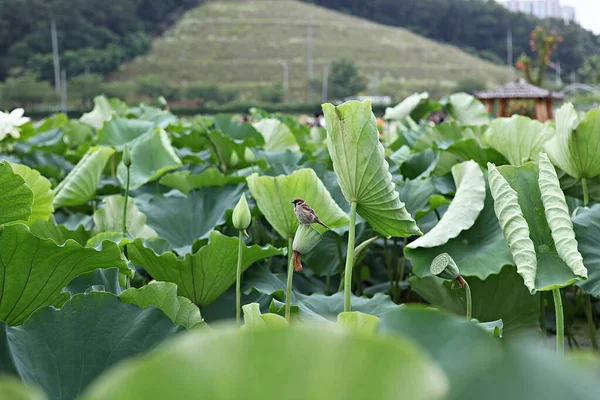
(318, 221)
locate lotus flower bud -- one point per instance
(127, 157)
(306, 239)
(444, 267)
(241, 214)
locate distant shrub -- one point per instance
(125, 90)
(154, 86)
(84, 88)
(271, 93)
(24, 91)
(469, 85)
(205, 92)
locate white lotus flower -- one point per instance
(9, 123)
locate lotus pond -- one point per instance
(146, 256)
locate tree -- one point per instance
(24, 91)
(344, 79)
(542, 44)
(590, 70)
(469, 85)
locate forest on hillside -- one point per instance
(90, 32)
(475, 26)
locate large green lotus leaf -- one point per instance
(519, 203)
(314, 307)
(533, 238)
(529, 372)
(229, 152)
(163, 295)
(467, 109)
(185, 181)
(236, 129)
(277, 135)
(12, 388)
(80, 185)
(16, 198)
(441, 136)
(274, 197)
(119, 131)
(101, 113)
(416, 194)
(319, 307)
(471, 149)
(110, 218)
(34, 270)
(359, 163)
(458, 346)
(43, 196)
(59, 233)
(227, 363)
(184, 219)
(574, 148)
(464, 209)
(481, 251)
(479, 368)
(76, 133)
(558, 217)
(587, 230)
(47, 141)
(502, 296)
(62, 351)
(420, 165)
(103, 280)
(204, 275)
(519, 139)
(152, 155)
(406, 107)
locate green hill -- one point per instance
(240, 43)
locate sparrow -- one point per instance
(305, 214)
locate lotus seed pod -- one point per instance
(444, 267)
(127, 157)
(306, 239)
(241, 214)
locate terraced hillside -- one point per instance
(241, 43)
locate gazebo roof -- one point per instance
(518, 90)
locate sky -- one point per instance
(588, 13)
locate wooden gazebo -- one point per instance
(521, 90)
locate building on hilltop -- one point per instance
(542, 9)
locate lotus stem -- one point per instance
(238, 282)
(338, 247)
(590, 319)
(290, 275)
(469, 301)
(126, 201)
(350, 258)
(560, 322)
(543, 313)
(586, 195)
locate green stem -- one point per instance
(288, 290)
(560, 322)
(350, 258)
(238, 282)
(469, 301)
(126, 201)
(586, 196)
(113, 167)
(543, 313)
(327, 285)
(338, 245)
(590, 320)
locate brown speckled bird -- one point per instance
(305, 214)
